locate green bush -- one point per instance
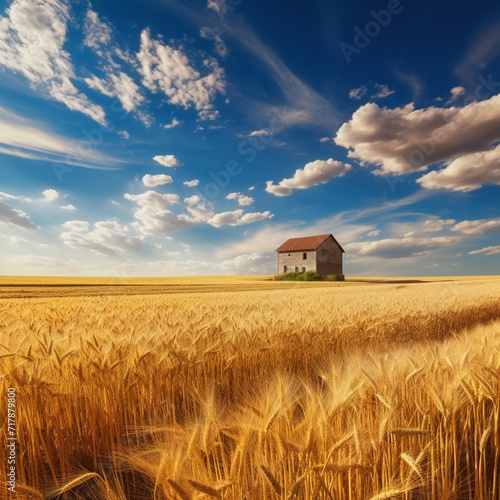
(307, 276)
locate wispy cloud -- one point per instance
(25, 138)
(483, 50)
(304, 105)
(11, 215)
(347, 227)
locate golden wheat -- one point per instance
(255, 390)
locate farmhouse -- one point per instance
(321, 254)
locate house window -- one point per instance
(296, 269)
(303, 269)
(284, 269)
(304, 256)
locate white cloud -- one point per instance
(50, 195)
(167, 160)
(259, 133)
(252, 263)
(325, 139)
(153, 213)
(156, 180)
(192, 183)
(237, 218)
(372, 234)
(68, 207)
(243, 200)
(97, 33)
(357, 93)
(119, 85)
(7, 196)
(493, 250)
(32, 37)
(251, 188)
(313, 173)
(11, 215)
(437, 225)
(456, 92)
(34, 140)
(107, 237)
(116, 83)
(217, 5)
(215, 35)
(174, 123)
(466, 173)
(168, 70)
(400, 248)
(406, 139)
(154, 216)
(382, 91)
(478, 227)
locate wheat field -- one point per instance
(253, 389)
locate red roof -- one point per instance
(307, 243)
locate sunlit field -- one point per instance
(247, 388)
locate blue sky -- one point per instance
(169, 137)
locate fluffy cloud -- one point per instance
(382, 91)
(357, 93)
(167, 160)
(32, 37)
(259, 133)
(119, 85)
(156, 180)
(400, 248)
(481, 226)
(11, 215)
(314, 173)
(153, 214)
(192, 183)
(155, 217)
(486, 251)
(168, 70)
(174, 123)
(237, 218)
(466, 173)
(243, 200)
(455, 92)
(69, 207)
(50, 195)
(116, 83)
(406, 139)
(107, 237)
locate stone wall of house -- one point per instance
(295, 262)
(329, 258)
